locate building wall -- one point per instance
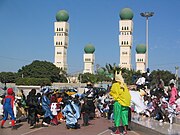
(141, 62)
(89, 63)
(125, 43)
(61, 41)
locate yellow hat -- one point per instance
(118, 77)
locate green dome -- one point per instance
(62, 16)
(141, 49)
(126, 14)
(89, 48)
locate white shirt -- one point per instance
(141, 81)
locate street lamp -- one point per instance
(147, 15)
(176, 75)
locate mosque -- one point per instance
(61, 41)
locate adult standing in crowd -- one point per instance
(173, 94)
(141, 82)
(122, 98)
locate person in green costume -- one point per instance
(122, 98)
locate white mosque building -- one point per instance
(125, 37)
(89, 59)
(61, 39)
(141, 58)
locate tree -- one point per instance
(127, 74)
(42, 69)
(33, 81)
(88, 77)
(8, 77)
(165, 75)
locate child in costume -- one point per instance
(54, 109)
(8, 103)
(46, 107)
(72, 114)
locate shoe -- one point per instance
(117, 132)
(44, 124)
(13, 128)
(124, 132)
(84, 124)
(53, 124)
(32, 127)
(2, 126)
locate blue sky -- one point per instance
(27, 30)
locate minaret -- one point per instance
(125, 37)
(89, 59)
(141, 58)
(61, 39)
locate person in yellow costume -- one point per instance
(122, 98)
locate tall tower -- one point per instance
(89, 59)
(125, 37)
(61, 39)
(141, 58)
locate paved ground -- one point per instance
(99, 126)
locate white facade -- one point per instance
(125, 43)
(89, 59)
(141, 62)
(61, 41)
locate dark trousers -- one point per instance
(85, 119)
(47, 120)
(32, 116)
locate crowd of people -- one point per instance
(51, 107)
(161, 103)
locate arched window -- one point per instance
(57, 29)
(122, 28)
(62, 29)
(127, 28)
(122, 42)
(127, 42)
(59, 43)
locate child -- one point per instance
(46, 107)
(32, 103)
(54, 110)
(97, 113)
(71, 113)
(8, 108)
(85, 110)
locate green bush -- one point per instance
(33, 81)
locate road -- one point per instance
(100, 126)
